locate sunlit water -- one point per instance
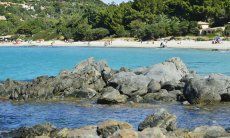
(27, 63)
(72, 116)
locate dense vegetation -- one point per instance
(92, 19)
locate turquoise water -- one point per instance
(26, 63)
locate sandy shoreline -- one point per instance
(190, 44)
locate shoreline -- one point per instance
(122, 43)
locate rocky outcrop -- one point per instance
(169, 81)
(160, 125)
(214, 88)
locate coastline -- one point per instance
(123, 43)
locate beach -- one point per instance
(224, 45)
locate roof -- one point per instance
(203, 23)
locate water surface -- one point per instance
(72, 116)
(26, 63)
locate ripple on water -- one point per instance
(73, 116)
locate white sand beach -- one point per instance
(224, 45)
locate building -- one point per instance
(203, 25)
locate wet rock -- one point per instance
(130, 84)
(161, 119)
(85, 93)
(153, 86)
(201, 90)
(136, 99)
(41, 87)
(171, 85)
(124, 69)
(162, 95)
(154, 132)
(111, 96)
(29, 132)
(225, 97)
(13, 90)
(109, 127)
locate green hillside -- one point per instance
(92, 19)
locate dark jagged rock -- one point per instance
(161, 119)
(31, 132)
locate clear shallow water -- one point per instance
(73, 116)
(27, 63)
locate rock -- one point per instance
(154, 132)
(13, 90)
(111, 96)
(28, 132)
(162, 95)
(185, 103)
(130, 84)
(84, 132)
(171, 85)
(85, 93)
(136, 99)
(63, 133)
(125, 133)
(161, 119)
(109, 127)
(171, 70)
(41, 87)
(153, 86)
(124, 69)
(225, 97)
(210, 131)
(91, 74)
(201, 90)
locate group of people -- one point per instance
(107, 43)
(217, 40)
